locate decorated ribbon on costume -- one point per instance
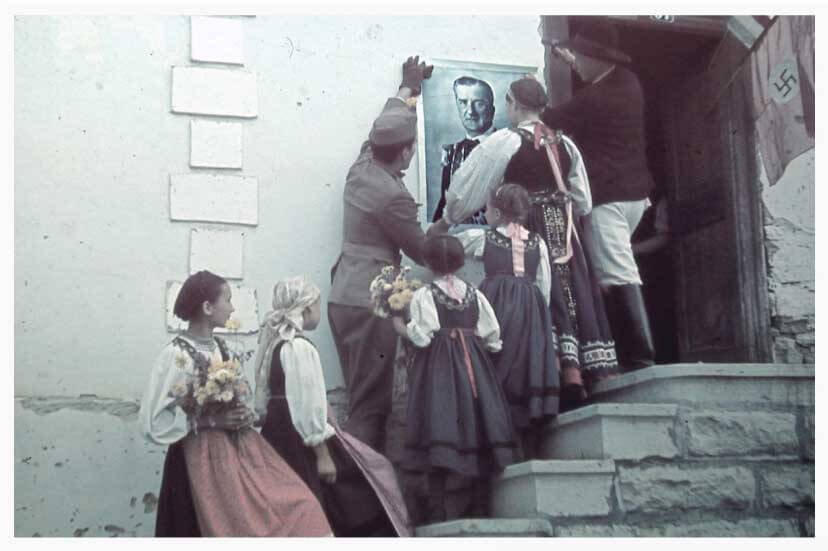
(453, 333)
(452, 288)
(518, 234)
(547, 138)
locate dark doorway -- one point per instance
(707, 289)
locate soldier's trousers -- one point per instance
(366, 345)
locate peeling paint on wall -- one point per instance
(44, 405)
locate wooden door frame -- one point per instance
(738, 132)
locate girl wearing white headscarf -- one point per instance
(291, 400)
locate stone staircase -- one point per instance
(678, 450)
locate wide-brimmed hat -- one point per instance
(598, 39)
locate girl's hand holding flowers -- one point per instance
(391, 291)
(399, 326)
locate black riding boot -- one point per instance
(630, 327)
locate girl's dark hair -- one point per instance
(443, 254)
(513, 201)
(197, 288)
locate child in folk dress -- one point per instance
(458, 424)
(356, 486)
(518, 284)
(221, 478)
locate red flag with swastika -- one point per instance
(782, 82)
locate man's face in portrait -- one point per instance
(475, 107)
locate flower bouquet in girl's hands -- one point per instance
(392, 291)
(209, 385)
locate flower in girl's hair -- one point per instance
(232, 324)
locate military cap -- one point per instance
(394, 126)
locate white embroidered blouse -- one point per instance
(305, 391)
(162, 420)
(425, 320)
(483, 170)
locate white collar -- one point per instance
(485, 134)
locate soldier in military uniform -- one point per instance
(379, 219)
(475, 106)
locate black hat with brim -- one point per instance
(587, 47)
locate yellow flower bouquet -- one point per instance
(392, 291)
(209, 385)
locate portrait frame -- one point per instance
(438, 122)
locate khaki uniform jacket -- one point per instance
(379, 219)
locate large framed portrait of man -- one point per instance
(462, 104)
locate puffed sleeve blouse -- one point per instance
(425, 321)
(482, 171)
(161, 418)
(305, 391)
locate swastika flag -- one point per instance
(782, 82)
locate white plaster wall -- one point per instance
(95, 144)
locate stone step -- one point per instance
(488, 528)
(553, 488)
(723, 385)
(612, 431)
(749, 527)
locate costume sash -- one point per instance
(518, 234)
(544, 137)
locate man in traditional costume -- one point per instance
(606, 120)
(379, 219)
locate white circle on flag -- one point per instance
(783, 84)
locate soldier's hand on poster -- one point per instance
(414, 72)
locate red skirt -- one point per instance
(242, 487)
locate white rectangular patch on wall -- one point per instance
(244, 301)
(210, 198)
(215, 144)
(216, 39)
(209, 91)
(219, 251)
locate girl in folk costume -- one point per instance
(458, 426)
(518, 285)
(549, 166)
(221, 478)
(356, 485)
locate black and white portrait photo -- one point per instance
(463, 103)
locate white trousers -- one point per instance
(611, 252)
